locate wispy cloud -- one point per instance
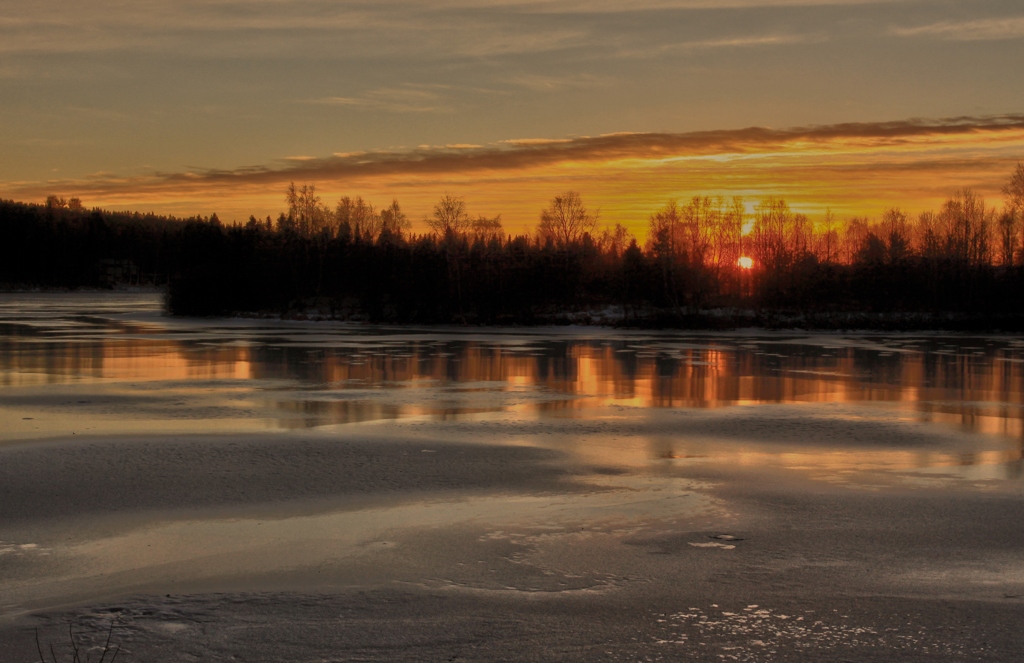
(524, 154)
(527, 142)
(721, 43)
(273, 27)
(1011, 27)
(471, 28)
(514, 155)
(542, 83)
(753, 40)
(393, 100)
(617, 6)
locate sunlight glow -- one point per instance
(745, 263)
(626, 178)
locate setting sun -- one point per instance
(512, 330)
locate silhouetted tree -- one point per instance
(1012, 219)
(393, 220)
(967, 227)
(566, 219)
(614, 240)
(1014, 189)
(356, 218)
(306, 211)
(449, 217)
(487, 230)
(828, 239)
(360, 264)
(895, 235)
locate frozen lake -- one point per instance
(296, 490)
(112, 364)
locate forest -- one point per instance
(705, 262)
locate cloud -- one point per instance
(524, 154)
(411, 99)
(356, 28)
(754, 40)
(978, 30)
(543, 83)
(617, 6)
(300, 28)
(745, 41)
(535, 141)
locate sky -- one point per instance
(200, 106)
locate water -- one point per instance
(834, 406)
(147, 456)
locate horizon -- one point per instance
(965, 153)
(210, 106)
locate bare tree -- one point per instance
(665, 243)
(1014, 190)
(449, 216)
(356, 216)
(393, 220)
(487, 230)
(665, 233)
(854, 235)
(800, 238)
(58, 202)
(728, 233)
(894, 231)
(828, 238)
(1007, 229)
(566, 219)
(967, 228)
(306, 211)
(928, 237)
(615, 240)
(771, 234)
(1013, 214)
(309, 217)
(700, 218)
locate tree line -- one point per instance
(354, 261)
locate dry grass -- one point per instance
(76, 650)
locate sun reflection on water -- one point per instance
(136, 372)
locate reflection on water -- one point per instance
(112, 363)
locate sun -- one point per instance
(745, 263)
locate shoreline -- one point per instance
(711, 320)
(727, 320)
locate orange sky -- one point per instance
(855, 169)
(199, 106)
